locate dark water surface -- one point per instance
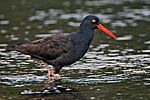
(111, 69)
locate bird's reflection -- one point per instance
(55, 87)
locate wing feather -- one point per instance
(47, 48)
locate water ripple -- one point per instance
(94, 79)
(11, 80)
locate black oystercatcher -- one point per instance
(61, 50)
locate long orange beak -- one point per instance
(103, 29)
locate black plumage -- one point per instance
(61, 50)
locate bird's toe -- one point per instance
(57, 77)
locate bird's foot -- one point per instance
(57, 77)
(54, 77)
(50, 74)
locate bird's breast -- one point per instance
(79, 51)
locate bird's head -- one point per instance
(92, 22)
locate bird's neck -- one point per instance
(86, 33)
(85, 28)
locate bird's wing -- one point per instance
(48, 48)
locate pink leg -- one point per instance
(51, 74)
(50, 71)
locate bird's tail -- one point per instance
(10, 48)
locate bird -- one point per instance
(60, 50)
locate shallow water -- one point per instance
(111, 70)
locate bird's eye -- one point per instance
(93, 20)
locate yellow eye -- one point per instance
(93, 20)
